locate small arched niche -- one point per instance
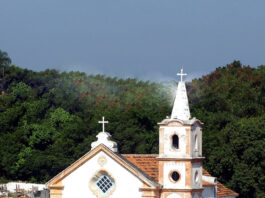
(175, 141)
(196, 147)
(196, 177)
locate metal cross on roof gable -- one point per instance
(103, 122)
(181, 74)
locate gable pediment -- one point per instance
(57, 180)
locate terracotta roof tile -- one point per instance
(146, 163)
(205, 172)
(223, 191)
(149, 164)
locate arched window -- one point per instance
(175, 141)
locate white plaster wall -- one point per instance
(174, 166)
(77, 183)
(196, 167)
(174, 195)
(209, 192)
(169, 151)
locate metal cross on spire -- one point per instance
(103, 122)
(181, 74)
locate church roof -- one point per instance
(145, 162)
(149, 164)
(223, 191)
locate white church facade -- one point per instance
(176, 172)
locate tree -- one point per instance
(240, 161)
(4, 61)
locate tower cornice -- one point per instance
(192, 159)
(183, 122)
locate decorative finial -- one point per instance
(103, 122)
(181, 74)
(104, 138)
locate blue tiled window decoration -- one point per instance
(104, 184)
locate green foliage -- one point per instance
(4, 59)
(230, 101)
(49, 119)
(240, 160)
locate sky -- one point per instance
(145, 39)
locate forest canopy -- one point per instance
(48, 119)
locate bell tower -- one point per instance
(180, 150)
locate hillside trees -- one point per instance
(240, 160)
(230, 101)
(48, 120)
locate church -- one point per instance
(176, 172)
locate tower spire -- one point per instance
(181, 108)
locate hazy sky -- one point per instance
(148, 39)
